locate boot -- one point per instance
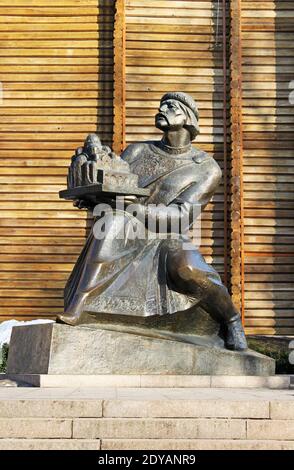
(74, 314)
(235, 337)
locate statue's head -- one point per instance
(178, 110)
(92, 145)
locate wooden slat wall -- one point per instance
(56, 72)
(171, 45)
(268, 125)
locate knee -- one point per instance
(183, 272)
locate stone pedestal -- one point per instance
(91, 350)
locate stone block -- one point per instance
(179, 381)
(49, 444)
(69, 381)
(185, 409)
(50, 408)
(35, 427)
(194, 444)
(282, 409)
(270, 429)
(62, 349)
(129, 428)
(273, 382)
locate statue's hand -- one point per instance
(123, 202)
(129, 199)
(127, 202)
(81, 204)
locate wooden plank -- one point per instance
(187, 5)
(44, 3)
(43, 16)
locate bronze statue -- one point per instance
(142, 277)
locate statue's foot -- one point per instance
(72, 319)
(235, 336)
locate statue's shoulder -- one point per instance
(199, 156)
(136, 150)
(202, 157)
(209, 163)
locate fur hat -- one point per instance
(184, 98)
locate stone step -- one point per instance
(146, 418)
(50, 408)
(158, 381)
(30, 428)
(144, 444)
(194, 444)
(183, 428)
(260, 408)
(49, 444)
(147, 428)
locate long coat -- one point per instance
(126, 275)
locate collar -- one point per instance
(174, 150)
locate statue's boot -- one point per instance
(74, 314)
(71, 319)
(219, 304)
(234, 336)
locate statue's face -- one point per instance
(92, 145)
(170, 116)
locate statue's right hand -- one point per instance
(81, 204)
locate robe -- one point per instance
(126, 275)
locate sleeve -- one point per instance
(131, 152)
(202, 191)
(187, 207)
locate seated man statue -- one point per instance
(158, 275)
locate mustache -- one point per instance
(161, 115)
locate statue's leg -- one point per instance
(189, 274)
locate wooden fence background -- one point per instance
(56, 71)
(57, 74)
(268, 165)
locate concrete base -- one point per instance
(56, 349)
(278, 382)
